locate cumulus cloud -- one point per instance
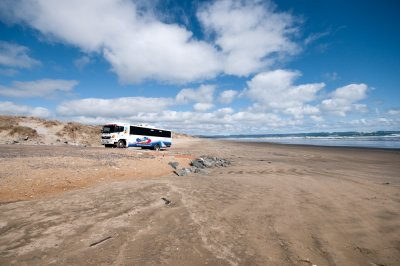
(274, 90)
(137, 45)
(352, 92)
(279, 104)
(344, 99)
(249, 33)
(10, 108)
(221, 121)
(119, 107)
(205, 94)
(202, 97)
(157, 111)
(16, 56)
(227, 96)
(37, 88)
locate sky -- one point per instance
(204, 67)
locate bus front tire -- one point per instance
(121, 144)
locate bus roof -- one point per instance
(137, 125)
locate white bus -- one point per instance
(125, 135)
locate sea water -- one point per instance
(378, 139)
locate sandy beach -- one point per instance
(275, 205)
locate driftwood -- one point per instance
(100, 241)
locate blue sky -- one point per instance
(204, 67)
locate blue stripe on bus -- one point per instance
(152, 144)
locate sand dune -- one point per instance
(23, 130)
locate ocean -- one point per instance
(377, 139)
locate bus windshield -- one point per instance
(112, 129)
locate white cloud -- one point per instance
(362, 108)
(202, 107)
(275, 91)
(376, 123)
(204, 94)
(249, 33)
(217, 122)
(224, 111)
(37, 88)
(139, 46)
(316, 36)
(157, 111)
(332, 76)
(317, 118)
(136, 44)
(179, 59)
(202, 97)
(82, 61)
(227, 96)
(394, 112)
(352, 92)
(10, 108)
(343, 99)
(300, 111)
(119, 107)
(15, 56)
(247, 119)
(204, 120)
(8, 72)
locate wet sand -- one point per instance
(276, 205)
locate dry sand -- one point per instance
(276, 205)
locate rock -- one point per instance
(183, 171)
(166, 201)
(15, 142)
(198, 163)
(66, 142)
(26, 138)
(188, 170)
(201, 171)
(173, 164)
(224, 162)
(209, 163)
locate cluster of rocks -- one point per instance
(16, 141)
(27, 140)
(200, 165)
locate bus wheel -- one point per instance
(121, 144)
(156, 147)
